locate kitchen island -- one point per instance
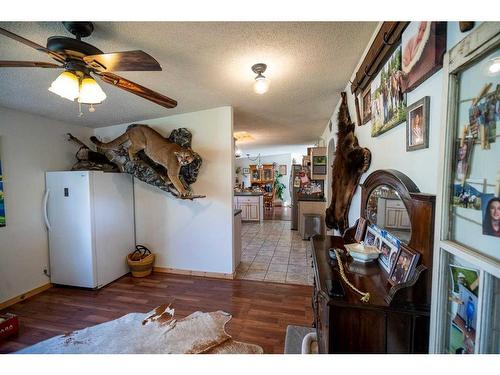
(251, 205)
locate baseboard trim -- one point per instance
(217, 275)
(22, 297)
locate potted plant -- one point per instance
(278, 187)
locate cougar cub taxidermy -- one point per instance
(159, 149)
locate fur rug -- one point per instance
(156, 332)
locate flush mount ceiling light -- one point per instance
(262, 83)
(243, 136)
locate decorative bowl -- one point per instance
(362, 253)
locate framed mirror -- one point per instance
(386, 210)
(392, 201)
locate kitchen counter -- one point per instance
(311, 199)
(246, 193)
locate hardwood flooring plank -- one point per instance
(261, 311)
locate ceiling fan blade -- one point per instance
(122, 61)
(28, 64)
(31, 44)
(137, 89)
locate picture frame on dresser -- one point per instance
(388, 255)
(360, 229)
(404, 265)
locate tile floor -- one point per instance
(272, 252)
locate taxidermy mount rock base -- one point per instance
(351, 161)
(130, 157)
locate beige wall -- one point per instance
(31, 145)
(191, 235)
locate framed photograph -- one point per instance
(470, 194)
(366, 106)
(417, 125)
(282, 169)
(319, 164)
(463, 297)
(372, 237)
(424, 45)
(490, 206)
(387, 99)
(388, 255)
(405, 262)
(246, 170)
(462, 158)
(360, 230)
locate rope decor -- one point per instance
(365, 295)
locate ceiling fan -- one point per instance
(81, 60)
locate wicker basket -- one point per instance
(141, 261)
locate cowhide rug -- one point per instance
(156, 332)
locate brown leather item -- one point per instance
(351, 161)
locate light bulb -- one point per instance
(91, 92)
(66, 85)
(261, 84)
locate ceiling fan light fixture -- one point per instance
(261, 85)
(90, 91)
(66, 85)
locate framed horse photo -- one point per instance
(388, 101)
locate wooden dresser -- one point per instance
(347, 325)
(393, 320)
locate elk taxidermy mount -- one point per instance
(350, 162)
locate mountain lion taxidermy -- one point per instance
(158, 148)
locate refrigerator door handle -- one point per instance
(45, 213)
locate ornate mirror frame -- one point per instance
(420, 208)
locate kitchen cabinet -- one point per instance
(251, 206)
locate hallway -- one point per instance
(272, 252)
(278, 213)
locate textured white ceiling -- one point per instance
(205, 65)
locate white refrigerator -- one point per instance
(90, 222)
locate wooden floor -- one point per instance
(261, 311)
(278, 213)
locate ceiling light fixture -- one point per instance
(67, 85)
(78, 85)
(262, 83)
(90, 91)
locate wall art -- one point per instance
(417, 125)
(424, 45)
(388, 100)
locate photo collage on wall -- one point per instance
(464, 287)
(482, 116)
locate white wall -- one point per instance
(190, 235)
(285, 159)
(389, 149)
(31, 145)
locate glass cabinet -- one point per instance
(466, 287)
